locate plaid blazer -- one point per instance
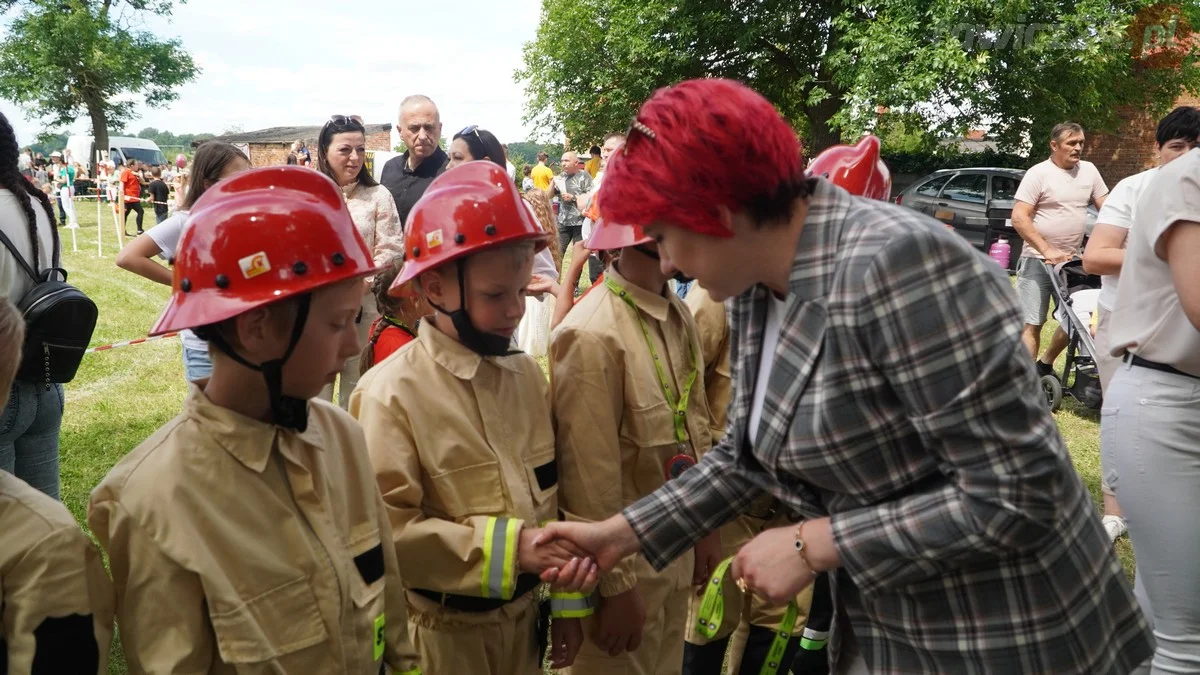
(903, 405)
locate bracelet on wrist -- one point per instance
(802, 547)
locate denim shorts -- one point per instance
(29, 427)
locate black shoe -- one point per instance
(1044, 369)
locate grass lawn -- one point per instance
(121, 396)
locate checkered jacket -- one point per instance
(903, 405)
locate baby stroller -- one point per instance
(1075, 293)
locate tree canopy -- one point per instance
(65, 58)
(832, 67)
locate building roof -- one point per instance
(285, 134)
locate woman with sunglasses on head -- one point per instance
(341, 155)
(214, 161)
(472, 144)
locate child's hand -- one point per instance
(566, 637)
(537, 558)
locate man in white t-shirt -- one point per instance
(1050, 215)
(1177, 133)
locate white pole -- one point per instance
(99, 218)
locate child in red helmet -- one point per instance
(459, 431)
(630, 414)
(247, 534)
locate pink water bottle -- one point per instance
(1000, 252)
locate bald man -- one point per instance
(407, 176)
(569, 185)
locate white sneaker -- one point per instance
(1114, 525)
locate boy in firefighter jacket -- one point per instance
(247, 535)
(630, 413)
(459, 431)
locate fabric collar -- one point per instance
(656, 305)
(249, 441)
(454, 356)
(429, 167)
(816, 252)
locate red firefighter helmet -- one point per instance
(470, 208)
(855, 168)
(607, 236)
(260, 237)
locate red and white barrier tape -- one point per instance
(126, 343)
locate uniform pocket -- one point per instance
(278, 622)
(467, 491)
(542, 470)
(650, 427)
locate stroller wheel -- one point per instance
(1052, 388)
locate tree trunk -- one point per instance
(95, 109)
(823, 135)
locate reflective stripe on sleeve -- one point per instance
(571, 605)
(499, 556)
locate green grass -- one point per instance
(121, 396)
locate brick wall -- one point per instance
(1131, 149)
(275, 154)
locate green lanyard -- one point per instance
(401, 325)
(712, 614)
(680, 406)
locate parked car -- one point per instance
(976, 201)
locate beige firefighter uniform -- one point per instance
(57, 601)
(237, 546)
(463, 451)
(616, 435)
(741, 609)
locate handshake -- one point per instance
(571, 556)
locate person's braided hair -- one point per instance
(12, 180)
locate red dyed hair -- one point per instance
(711, 143)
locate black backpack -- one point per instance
(59, 320)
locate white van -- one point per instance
(83, 150)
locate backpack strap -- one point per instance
(28, 270)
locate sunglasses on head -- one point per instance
(345, 120)
(472, 129)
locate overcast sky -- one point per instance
(269, 63)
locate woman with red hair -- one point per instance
(882, 392)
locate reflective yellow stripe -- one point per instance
(512, 527)
(489, 534)
(499, 555)
(571, 605)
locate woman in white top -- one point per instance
(341, 155)
(1150, 426)
(30, 423)
(214, 161)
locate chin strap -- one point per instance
(286, 411)
(484, 344)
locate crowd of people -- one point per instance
(791, 427)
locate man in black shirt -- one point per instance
(158, 194)
(407, 176)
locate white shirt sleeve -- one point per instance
(168, 233)
(1118, 208)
